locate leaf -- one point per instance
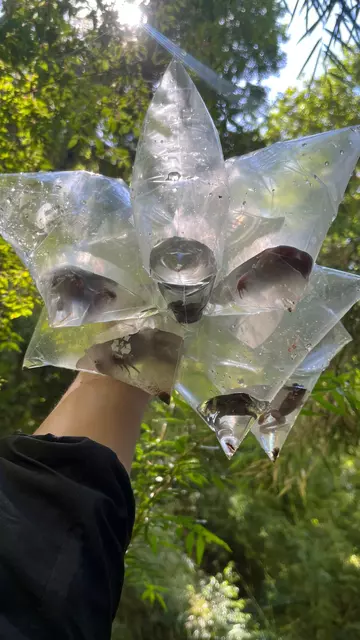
(328, 405)
(315, 68)
(197, 478)
(338, 39)
(340, 78)
(309, 56)
(153, 541)
(211, 537)
(189, 543)
(200, 548)
(294, 11)
(335, 59)
(73, 142)
(161, 601)
(218, 482)
(148, 594)
(309, 31)
(340, 401)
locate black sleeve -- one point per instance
(66, 517)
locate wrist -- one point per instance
(122, 390)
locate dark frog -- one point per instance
(72, 290)
(293, 398)
(275, 270)
(232, 404)
(123, 358)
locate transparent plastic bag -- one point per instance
(329, 296)
(218, 362)
(282, 201)
(229, 414)
(180, 195)
(254, 329)
(328, 291)
(274, 279)
(273, 427)
(75, 233)
(80, 288)
(143, 352)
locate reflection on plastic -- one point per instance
(131, 355)
(301, 182)
(79, 294)
(289, 398)
(184, 270)
(180, 192)
(232, 367)
(273, 279)
(74, 232)
(218, 413)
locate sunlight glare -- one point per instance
(129, 13)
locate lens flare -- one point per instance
(129, 14)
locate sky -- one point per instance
(296, 53)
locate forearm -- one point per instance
(103, 409)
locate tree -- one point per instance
(75, 86)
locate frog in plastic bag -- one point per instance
(210, 236)
(228, 247)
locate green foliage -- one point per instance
(74, 87)
(17, 297)
(332, 102)
(71, 97)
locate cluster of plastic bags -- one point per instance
(203, 277)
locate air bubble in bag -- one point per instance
(180, 195)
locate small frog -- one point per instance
(273, 270)
(232, 404)
(293, 399)
(76, 291)
(121, 357)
